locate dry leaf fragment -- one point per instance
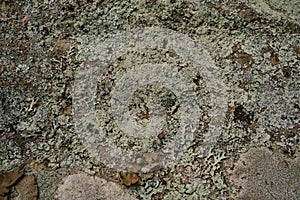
(7, 180)
(27, 188)
(25, 19)
(62, 47)
(128, 179)
(35, 166)
(68, 110)
(161, 135)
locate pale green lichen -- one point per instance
(28, 57)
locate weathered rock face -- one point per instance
(82, 186)
(265, 175)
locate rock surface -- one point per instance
(265, 175)
(82, 186)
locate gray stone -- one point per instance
(82, 186)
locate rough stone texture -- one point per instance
(82, 186)
(264, 175)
